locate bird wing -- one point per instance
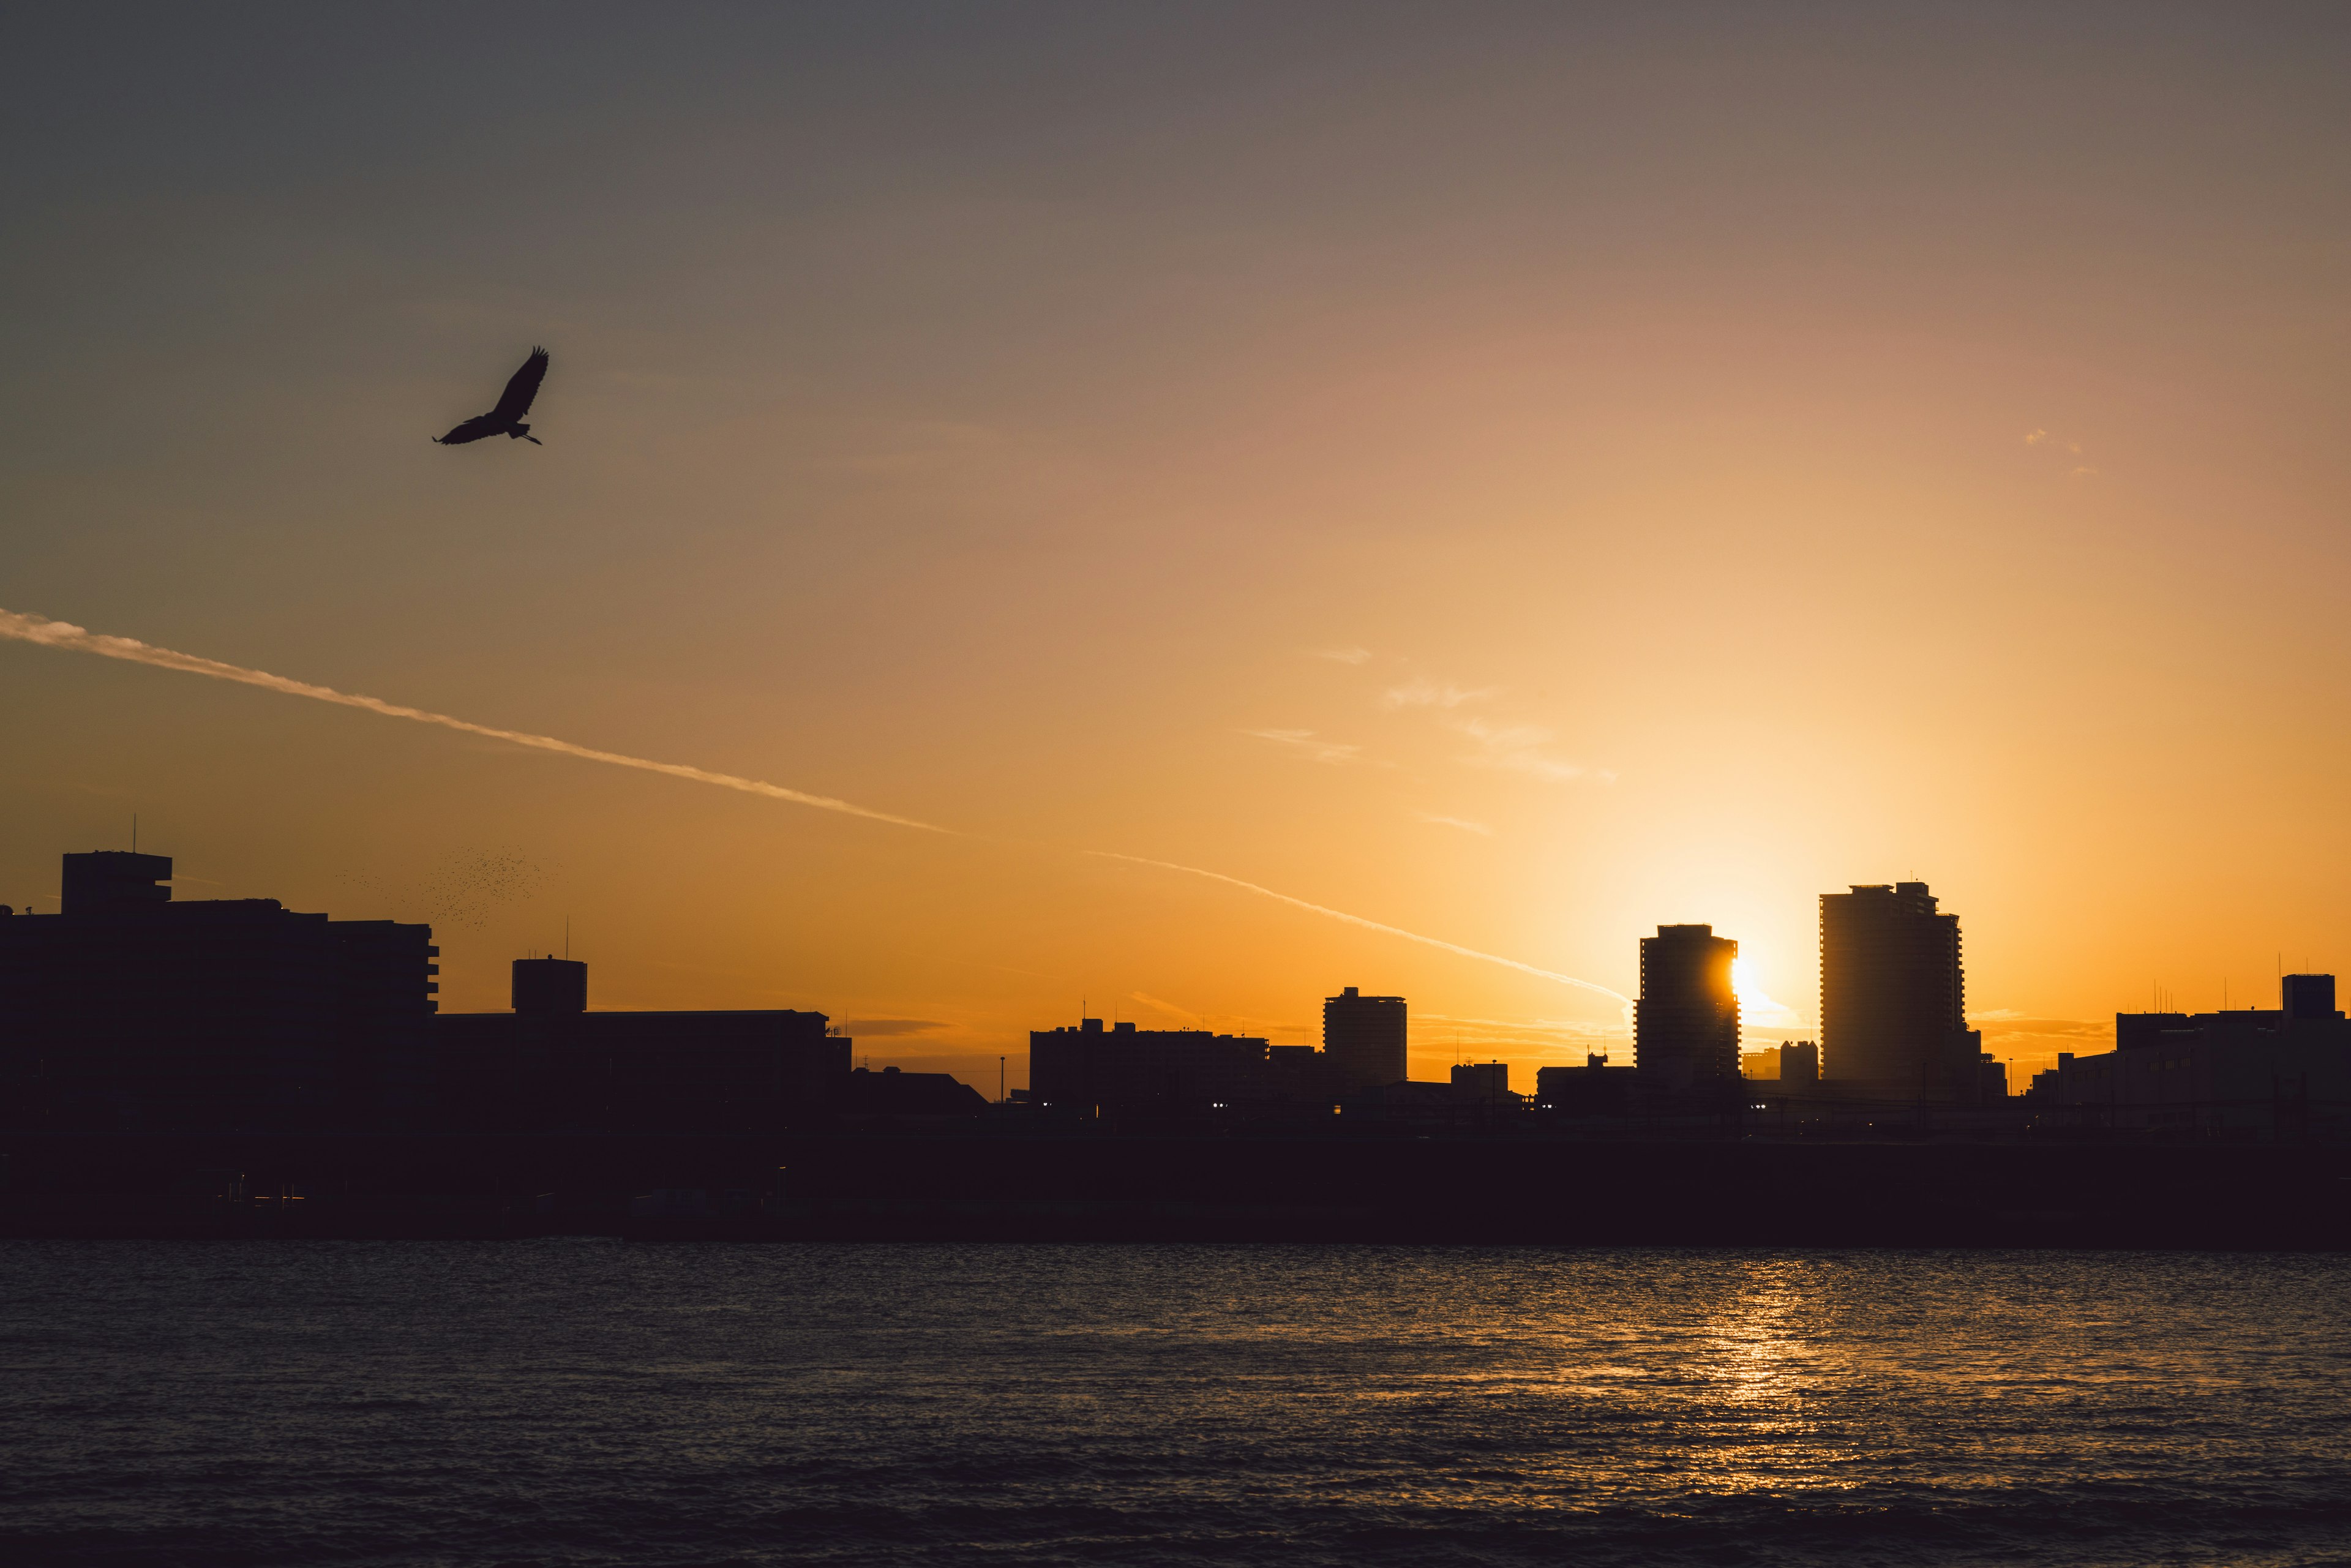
(473, 429)
(515, 401)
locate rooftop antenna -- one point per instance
(135, 832)
(567, 938)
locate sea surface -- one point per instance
(596, 1403)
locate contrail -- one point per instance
(76, 639)
(1370, 925)
(61, 634)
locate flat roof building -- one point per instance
(1685, 1024)
(1893, 995)
(126, 1012)
(1364, 1039)
(551, 1065)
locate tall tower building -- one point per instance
(1364, 1039)
(1686, 1027)
(1893, 999)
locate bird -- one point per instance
(513, 404)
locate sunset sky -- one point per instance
(1514, 477)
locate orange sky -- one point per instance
(1516, 478)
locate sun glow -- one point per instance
(1755, 1003)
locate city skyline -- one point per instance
(1367, 491)
(1890, 964)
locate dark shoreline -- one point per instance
(1486, 1190)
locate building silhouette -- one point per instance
(1483, 1084)
(552, 1066)
(1364, 1039)
(902, 1096)
(1091, 1071)
(1594, 1088)
(1799, 1063)
(1892, 995)
(2252, 1072)
(127, 1012)
(1685, 1024)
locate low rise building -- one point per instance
(2250, 1073)
(550, 1065)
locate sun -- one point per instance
(1756, 1005)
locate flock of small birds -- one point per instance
(463, 893)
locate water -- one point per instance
(592, 1403)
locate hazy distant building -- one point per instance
(1685, 1024)
(1893, 998)
(552, 1066)
(126, 1012)
(1800, 1062)
(1364, 1039)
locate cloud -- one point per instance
(1421, 692)
(2006, 1022)
(1545, 1037)
(1304, 742)
(1463, 823)
(74, 639)
(1341, 914)
(2058, 443)
(1170, 1009)
(878, 1028)
(1518, 748)
(64, 637)
(1343, 655)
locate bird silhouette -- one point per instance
(513, 404)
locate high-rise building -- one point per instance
(1686, 1027)
(1893, 998)
(1364, 1038)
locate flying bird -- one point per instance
(513, 404)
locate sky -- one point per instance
(1514, 475)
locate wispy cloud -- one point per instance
(1306, 744)
(61, 635)
(1464, 824)
(1518, 747)
(1170, 1009)
(1422, 692)
(1341, 914)
(2059, 443)
(1343, 655)
(1546, 1037)
(878, 1028)
(1521, 748)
